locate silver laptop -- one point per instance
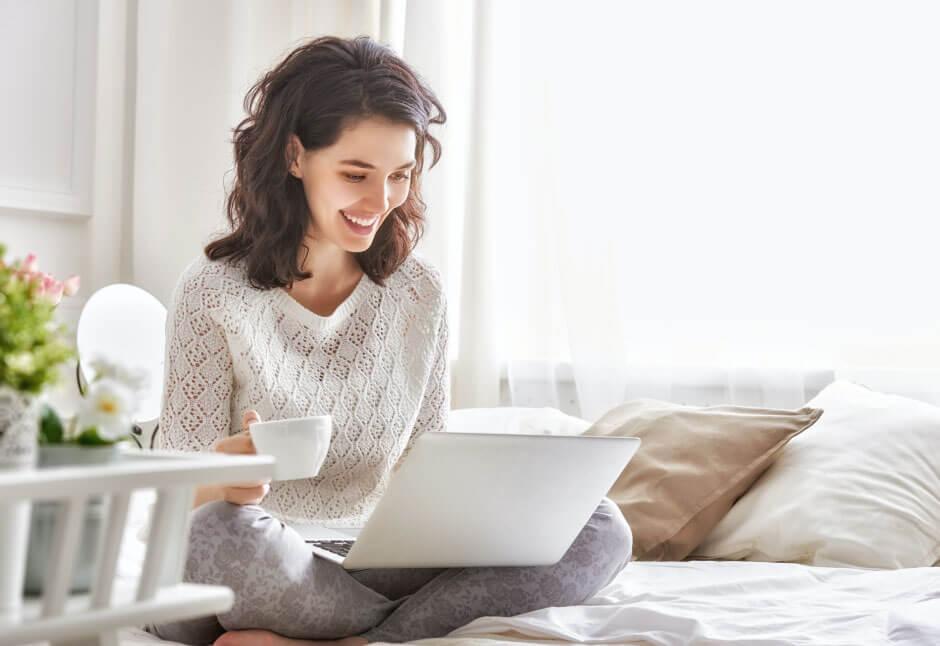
(481, 499)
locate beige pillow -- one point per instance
(693, 464)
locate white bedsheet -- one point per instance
(699, 603)
(707, 603)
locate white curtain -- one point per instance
(726, 202)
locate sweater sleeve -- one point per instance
(198, 375)
(435, 403)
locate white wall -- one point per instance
(64, 115)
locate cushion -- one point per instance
(861, 489)
(693, 463)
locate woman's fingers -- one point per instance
(250, 484)
(240, 443)
(245, 495)
(249, 417)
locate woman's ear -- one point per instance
(295, 150)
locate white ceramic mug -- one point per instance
(299, 445)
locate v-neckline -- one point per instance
(342, 311)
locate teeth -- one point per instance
(360, 222)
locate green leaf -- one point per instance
(50, 427)
(90, 437)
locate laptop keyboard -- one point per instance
(336, 546)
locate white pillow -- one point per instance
(514, 419)
(860, 488)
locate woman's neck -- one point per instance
(330, 266)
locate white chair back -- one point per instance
(125, 325)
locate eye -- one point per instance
(399, 177)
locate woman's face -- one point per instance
(353, 185)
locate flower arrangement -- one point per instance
(105, 413)
(32, 346)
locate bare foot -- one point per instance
(267, 638)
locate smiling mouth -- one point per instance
(362, 222)
(357, 228)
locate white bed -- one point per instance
(753, 602)
(699, 603)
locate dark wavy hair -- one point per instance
(320, 88)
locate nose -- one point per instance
(377, 200)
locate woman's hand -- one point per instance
(243, 493)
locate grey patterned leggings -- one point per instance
(282, 587)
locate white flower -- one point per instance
(108, 406)
(135, 379)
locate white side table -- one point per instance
(158, 595)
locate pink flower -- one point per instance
(52, 292)
(47, 287)
(71, 285)
(30, 265)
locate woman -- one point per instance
(315, 304)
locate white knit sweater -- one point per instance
(378, 365)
